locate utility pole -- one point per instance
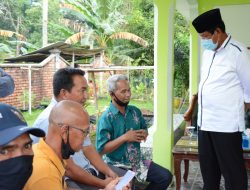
(45, 22)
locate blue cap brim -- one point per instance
(11, 133)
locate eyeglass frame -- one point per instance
(85, 133)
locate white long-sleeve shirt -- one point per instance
(224, 87)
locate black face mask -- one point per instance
(15, 172)
(119, 102)
(66, 149)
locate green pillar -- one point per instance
(163, 136)
(194, 66)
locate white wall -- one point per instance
(237, 21)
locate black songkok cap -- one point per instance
(207, 21)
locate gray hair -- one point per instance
(112, 81)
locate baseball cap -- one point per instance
(13, 124)
(7, 84)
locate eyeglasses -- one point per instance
(84, 132)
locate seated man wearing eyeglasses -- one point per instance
(68, 126)
(85, 169)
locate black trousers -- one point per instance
(222, 154)
(159, 177)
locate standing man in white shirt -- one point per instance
(224, 88)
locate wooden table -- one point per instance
(188, 150)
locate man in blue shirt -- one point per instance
(120, 130)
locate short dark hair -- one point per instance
(63, 79)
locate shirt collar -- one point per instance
(47, 150)
(225, 42)
(53, 100)
(114, 110)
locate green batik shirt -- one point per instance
(113, 124)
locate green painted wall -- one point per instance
(205, 5)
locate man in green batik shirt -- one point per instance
(120, 130)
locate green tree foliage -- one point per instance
(25, 18)
(181, 55)
(57, 31)
(140, 21)
(103, 22)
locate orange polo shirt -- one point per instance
(48, 169)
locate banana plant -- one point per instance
(102, 24)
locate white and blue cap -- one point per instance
(13, 125)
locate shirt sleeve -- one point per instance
(103, 133)
(243, 68)
(87, 141)
(46, 183)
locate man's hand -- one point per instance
(111, 173)
(107, 181)
(135, 135)
(113, 183)
(144, 134)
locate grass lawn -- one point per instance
(31, 118)
(102, 104)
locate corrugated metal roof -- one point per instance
(67, 52)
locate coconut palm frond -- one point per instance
(75, 38)
(129, 36)
(8, 33)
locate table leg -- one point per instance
(177, 172)
(186, 165)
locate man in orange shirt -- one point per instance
(68, 126)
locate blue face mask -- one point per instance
(209, 44)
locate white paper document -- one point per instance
(125, 180)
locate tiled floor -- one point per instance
(195, 179)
